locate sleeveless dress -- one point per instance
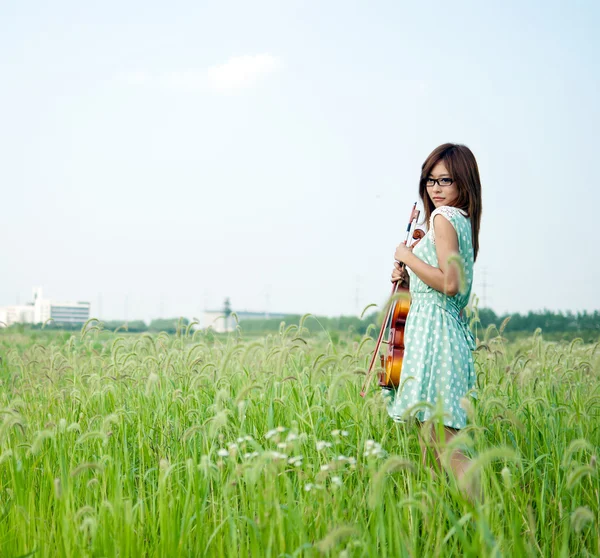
(437, 367)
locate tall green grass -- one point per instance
(192, 444)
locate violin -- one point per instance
(395, 321)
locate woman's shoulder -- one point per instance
(449, 212)
(457, 217)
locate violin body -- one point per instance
(391, 361)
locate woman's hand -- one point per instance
(401, 252)
(400, 274)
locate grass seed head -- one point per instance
(334, 537)
(581, 517)
(507, 477)
(39, 441)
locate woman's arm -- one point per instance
(445, 277)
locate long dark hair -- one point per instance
(462, 166)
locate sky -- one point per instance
(159, 157)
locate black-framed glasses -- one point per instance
(445, 181)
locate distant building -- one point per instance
(41, 310)
(215, 319)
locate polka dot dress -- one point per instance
(437, 369)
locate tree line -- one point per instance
(547, 320)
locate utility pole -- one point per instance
(357, 294)
(484, 287)
(267, 300)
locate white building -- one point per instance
(41, 310)
(215, 319)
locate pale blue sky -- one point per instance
(172, 154)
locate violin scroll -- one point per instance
(418, 234)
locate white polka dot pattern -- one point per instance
(438, 367)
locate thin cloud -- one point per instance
(239, 72)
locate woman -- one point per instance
(438, 370)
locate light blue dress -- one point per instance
(438, 362)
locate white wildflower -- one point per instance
(223, 453)
(373, 448)
(276, 455)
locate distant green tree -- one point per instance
(136, 326)
(547, 320)
(168, 325)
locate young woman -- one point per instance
(437, 367)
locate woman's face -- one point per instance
(443, 194)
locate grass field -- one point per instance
(114, 444)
